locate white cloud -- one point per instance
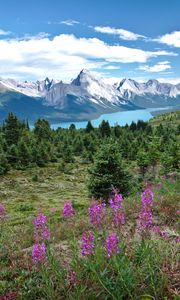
(159, 67)
(175, 80)
(63, 56)
(122, 33)
(171, 39)
(3, 32)
(69, 22)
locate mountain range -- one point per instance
(84, 98)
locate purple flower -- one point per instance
(147, 198)
(40, 220)
(145, 219)
(112, 245)
(39, 253)
(96, 212)
(68, 210)
(72, 278)
(116, 201)
(118, 218)
(87, 243)
(178, 239)
(2, 211)
(41, 230)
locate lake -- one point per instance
(121, 118)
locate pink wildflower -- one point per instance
(68, 210)
(2, 211)
(112, 245)
(87, 243)
(39, 253)
(96, 213)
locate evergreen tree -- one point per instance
(107, 171)
(4, 167)
(105, 129)
(11, 129)
(89, 127)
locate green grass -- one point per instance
(170, 118)
(144, 269)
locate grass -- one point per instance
(144, 269)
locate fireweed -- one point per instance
(2, 211)
(112, 245)
(68, 210)
(87, 243)
(116, 201)
(41, 230)
(118, 217)
(96, 213)
(145, 217)
(39, 253)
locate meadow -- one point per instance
(143, 264)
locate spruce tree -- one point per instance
(108, 171)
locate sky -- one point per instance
(116, 39)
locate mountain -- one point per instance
(150, 94)
(85, 97)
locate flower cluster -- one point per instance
(145, 216)
(96, 213)
(87, 243)
(116, 201)
(112, 245)
(41, 230)
(118, 217)
(68, 210)
(39, 253)
(2, 211)
(157, 230)
(72, 278)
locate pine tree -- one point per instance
(4, 166)
(107, 171)
(89, 127)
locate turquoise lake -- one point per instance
(121, 118)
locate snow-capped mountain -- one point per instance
(85, 97)
(130, 88)
(86, 87)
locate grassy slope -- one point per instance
(171, 118)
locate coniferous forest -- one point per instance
(89, 213)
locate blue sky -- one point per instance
(132, 38)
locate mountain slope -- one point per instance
(84, 98)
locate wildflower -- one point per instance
(87, 243)
(118, 218)
(39, 253)
(40, 220)
(145, 216)
(112, 245)
(41, 231)
(116, 201)
(68, 210)
(147, 198)
(178, 239)
(145, 219)
(2, 211)
(72, 278)
(96, 213)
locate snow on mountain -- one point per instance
(130, 88)
(87, 87)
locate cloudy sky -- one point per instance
(136, 39)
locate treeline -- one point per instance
(141, 143)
